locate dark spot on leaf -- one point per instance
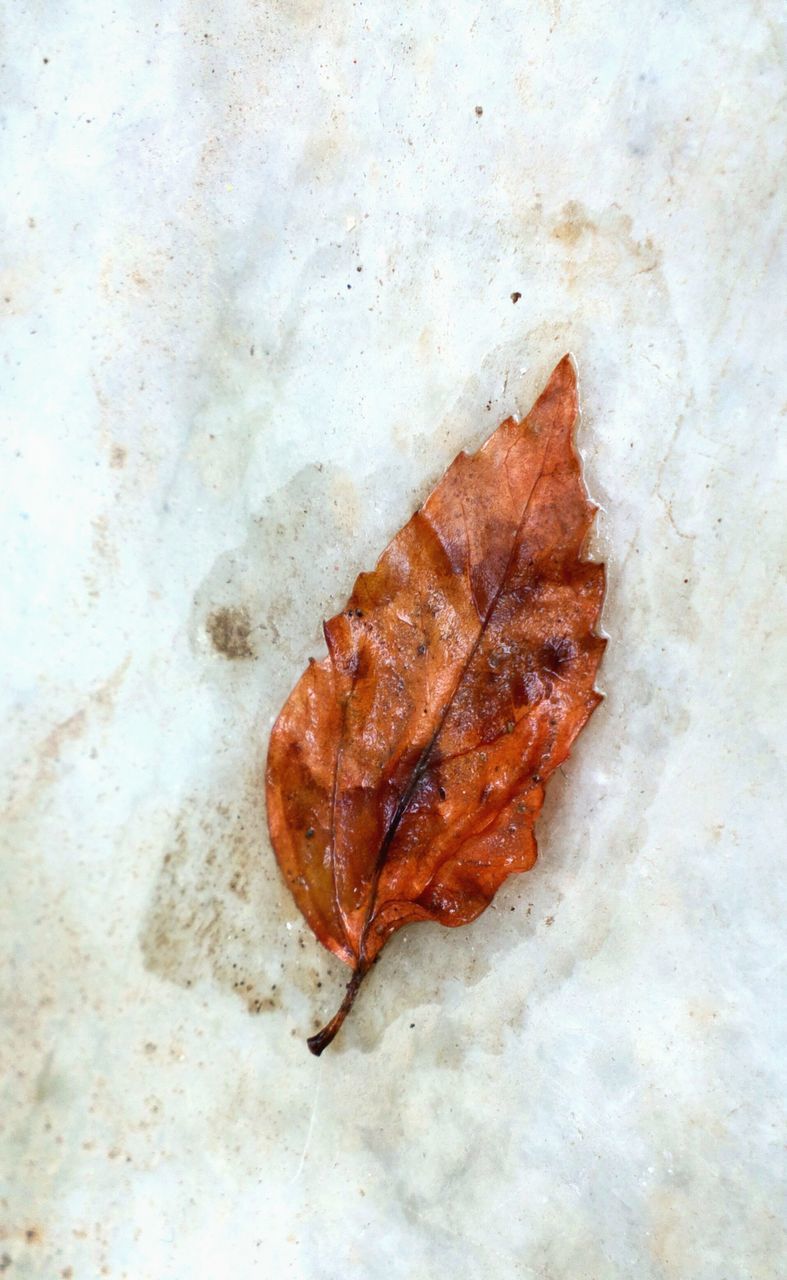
(556, 653)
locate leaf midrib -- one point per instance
(423, 760)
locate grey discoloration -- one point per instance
(266, 597)
(219, 909)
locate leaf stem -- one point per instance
(323, 1038)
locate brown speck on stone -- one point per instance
(230, 629)
(515, 296)
(479, 111)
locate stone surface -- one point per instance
(266, 268)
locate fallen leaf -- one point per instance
(407, 768)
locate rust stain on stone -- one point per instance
(47, 753)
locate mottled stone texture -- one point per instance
(266, 269)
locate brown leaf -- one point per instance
(406, 770)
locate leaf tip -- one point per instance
(564, 376)
(558, 403)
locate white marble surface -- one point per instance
(257, 274)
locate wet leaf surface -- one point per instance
(407, 768)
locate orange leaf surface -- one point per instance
(407, 768)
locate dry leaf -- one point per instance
(407, 768)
